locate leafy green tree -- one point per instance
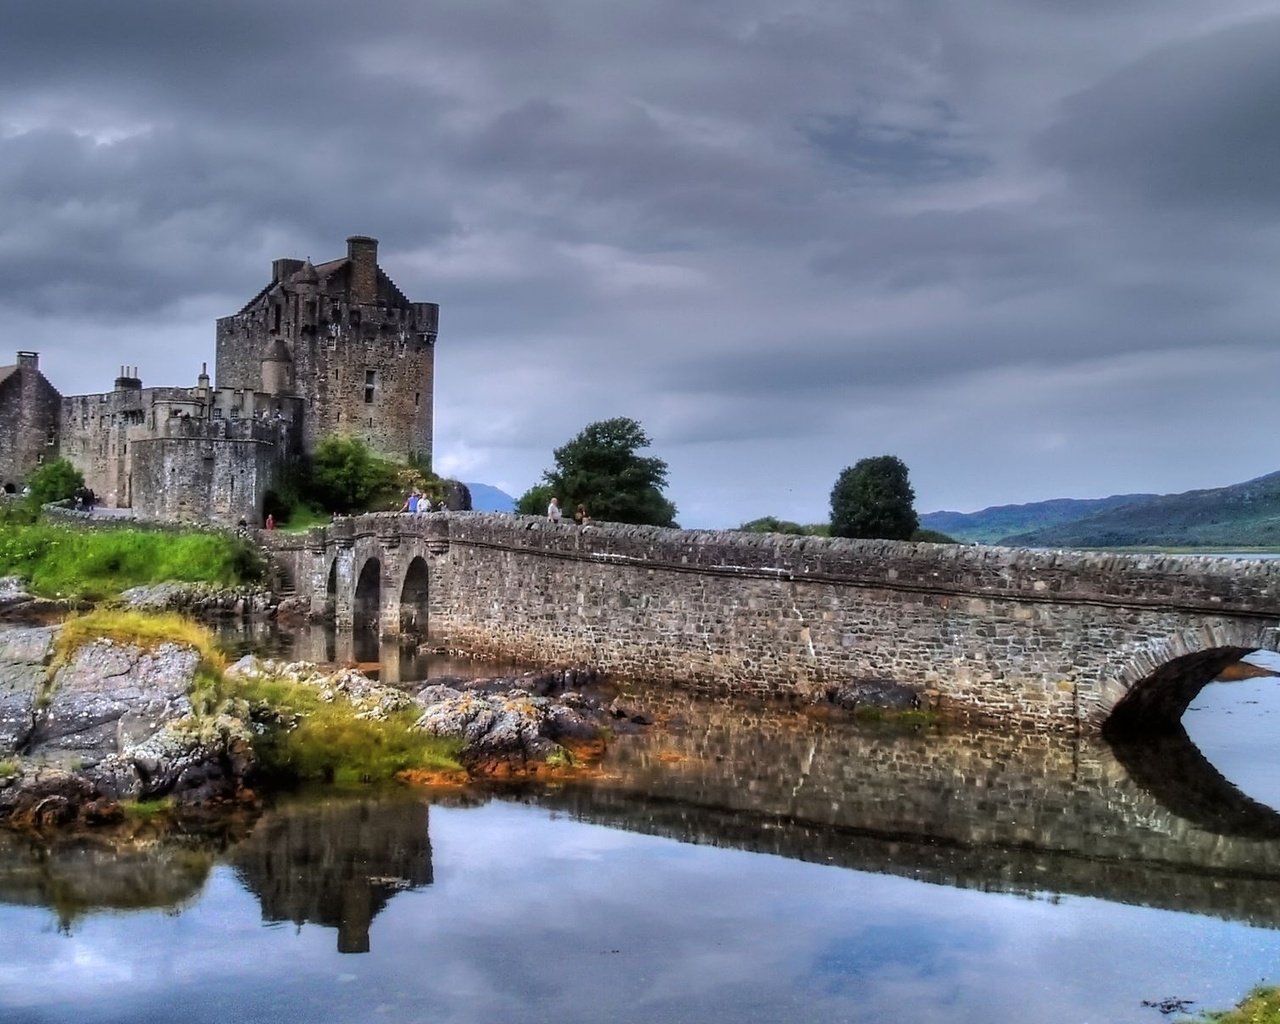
(345, 476)
(535, 500)
(600, 468)
(54, 481)
(772, 524)
(873, 500)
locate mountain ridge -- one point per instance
(1245, 514)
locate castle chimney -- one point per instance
(362, 254)
(283, 269)
(29, 360)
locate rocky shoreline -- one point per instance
(85, 735)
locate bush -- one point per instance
(54, 481)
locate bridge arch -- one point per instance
(367, 600)
(1158, 682)
(414, 593)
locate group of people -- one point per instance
(418, 502)
(84, 497)
(554, 514)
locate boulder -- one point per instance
(876, 693)
(24, 656)
(110, 697)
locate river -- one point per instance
(736, 863)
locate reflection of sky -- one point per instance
(1235, 726)
(536, 917)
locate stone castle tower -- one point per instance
(333, 349)
(347, 342)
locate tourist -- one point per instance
(553, 511)
(411, 503)
(580, 516)
(271, 521)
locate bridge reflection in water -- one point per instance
(1152, 825)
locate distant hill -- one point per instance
(489, 499)
(1240, 515)
(993, 525)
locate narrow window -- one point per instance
(277, 317)
(370, 382)
(417, 397)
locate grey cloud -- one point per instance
(753, 228)
(1195, 124)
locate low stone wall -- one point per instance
(1046, 639)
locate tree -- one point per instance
(535, 500)
(601, 470)
(346, 477)
(873, 500)
(772, 524)
(54, 481)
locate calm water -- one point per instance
(733, 865)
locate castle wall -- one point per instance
(198, 453)
(196, 475)
(331, 350)
(29, 421)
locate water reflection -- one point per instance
(492, 908)
(1153, 825)
(336, 862)
(386, 659)
(79, 874)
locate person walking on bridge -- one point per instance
(553, 511)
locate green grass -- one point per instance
(305, 737)
(325, 740)
(94, 564)
(147, 630)
(146, 809)
(305, 517)
(1261, 1006)
(8, 768)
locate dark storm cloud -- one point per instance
(756, 229)
(1195, 124)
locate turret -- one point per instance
(277, 368)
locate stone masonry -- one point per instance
(1042, 639)
(333, 349)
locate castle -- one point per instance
(328, 349)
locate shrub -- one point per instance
(54, 481)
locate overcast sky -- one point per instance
(1031, 247)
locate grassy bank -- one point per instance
(93, 564)
(1261, 1006)
(304, 736)
(327, 740)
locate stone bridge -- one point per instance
(1043, 639)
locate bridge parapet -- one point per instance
(1050, 639)
(1211, 584)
